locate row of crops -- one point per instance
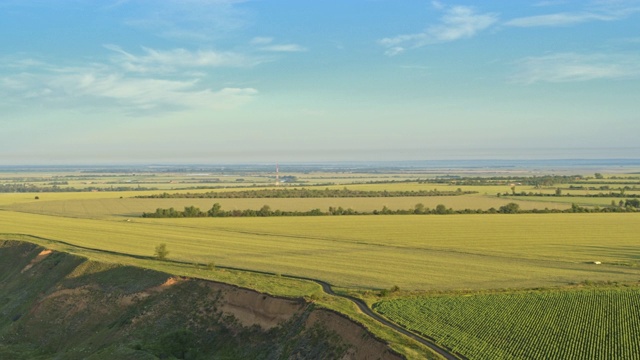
(573, 324)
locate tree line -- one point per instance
(419, 209)
(305, 193)
(30, 188)
(558, 193)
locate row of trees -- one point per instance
(31, 188)
(558, 192)
(305, 193)
(419, 209)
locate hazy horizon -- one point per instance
(233, 81)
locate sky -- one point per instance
(233, 81)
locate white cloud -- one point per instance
(191, 20)
(178, 59)
(100, 86)
(284, 48)
(559, 19)
(599, 10)
(437, 5)
(267, 44)
(571, 67)
(458, 22)
(396, 50)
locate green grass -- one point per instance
(575, 324)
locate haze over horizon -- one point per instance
(214, 81)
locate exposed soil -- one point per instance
(41, 256)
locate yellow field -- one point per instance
(413, 252)
(127, 207)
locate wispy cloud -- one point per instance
(176, 59)
(190, 20)
(572, 67)
(559, 19)
(458, 22)
(267, 44)
(103, 86)
(284, 48)
(599, 10)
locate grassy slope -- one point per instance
(273, 285)
(67, 307)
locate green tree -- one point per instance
(419, 208)
(510, 208)
(215, 210)
(265, 211)
(441, 209)
(192, 211)
(558, 192)
(632, 202)
(161, 251)
(599, 176)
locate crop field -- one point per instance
(129, 207)
(572, 324)
(413, 252)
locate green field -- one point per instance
(413, 252)
(573, 324)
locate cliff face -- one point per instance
(55, 305)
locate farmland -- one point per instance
(432, 259)
(586, 324)
(413, 252)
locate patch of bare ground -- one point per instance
(252, 308)
(130, 299)
(41, 256)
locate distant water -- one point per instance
(523, 164)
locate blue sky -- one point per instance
(214, 81)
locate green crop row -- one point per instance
(577, 324)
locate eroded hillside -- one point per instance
(55, 305)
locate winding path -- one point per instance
(326, 287)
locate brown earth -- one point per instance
(41, 256)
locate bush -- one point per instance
(161, 251)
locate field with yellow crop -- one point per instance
(113, 206)
(413, 252)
